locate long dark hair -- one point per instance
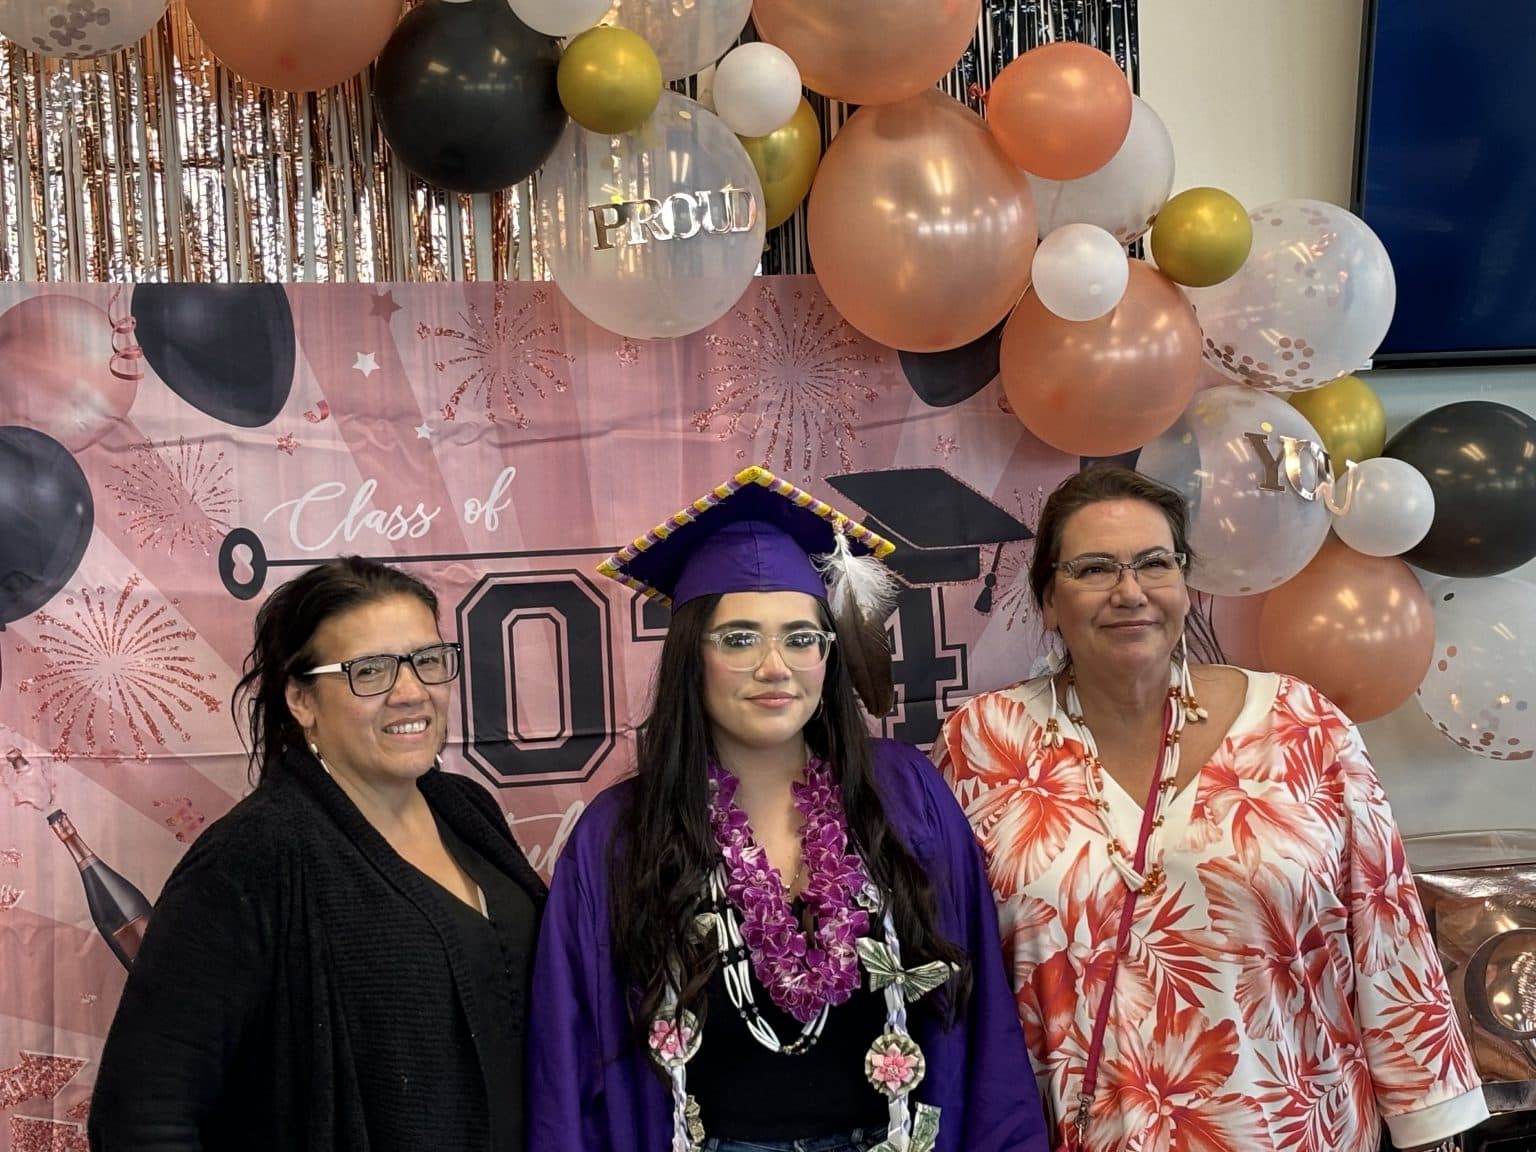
(664, 851)
(285, 630)
(1095, 486)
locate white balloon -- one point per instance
(1080, 272)
(1480, 691)
(559, 17)
(1389, 507)
(756, 89)
(655, 232)
(686, 36)
(78, 31)
(1125, 195)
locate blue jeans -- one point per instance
(859, 1140)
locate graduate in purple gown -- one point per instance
(778, 934)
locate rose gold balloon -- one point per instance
(295, 45)
(920, 229)
(1061, 110)
(869, 51)
(1358, 628)
(1101, 387)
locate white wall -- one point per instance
(1259, 97)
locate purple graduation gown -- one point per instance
(592, 1088)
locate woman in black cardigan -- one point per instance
(342, 961)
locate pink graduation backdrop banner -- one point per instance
(171, 453)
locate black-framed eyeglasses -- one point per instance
(1101, 573)
(744, 649)
(376, 675)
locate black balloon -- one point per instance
(46, 519)
(226, 349)
(466, 95)
(942, 379)
(1480, 460)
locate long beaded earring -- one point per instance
(1191, 706)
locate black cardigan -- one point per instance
(300, 986)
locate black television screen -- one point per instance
(1445, 174)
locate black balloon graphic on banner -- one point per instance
(46, 519)
(226, 349)
(1480, 460)
(466, 95)
(942, 379)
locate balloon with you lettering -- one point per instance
(1251, 468)
(656, 232)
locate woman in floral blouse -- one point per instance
(1214, 937)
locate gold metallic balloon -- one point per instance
(609, 80)
(1201, 237)
(1348, 416)
(786, 161)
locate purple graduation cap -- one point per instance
(754, 533)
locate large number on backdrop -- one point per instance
(656, 232)
(921, 230)
(1244, 461)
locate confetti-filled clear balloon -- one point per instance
(74, 31)
(1480, 691)
(1311, 303)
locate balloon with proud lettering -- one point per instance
(656, 232)
(1251, 468)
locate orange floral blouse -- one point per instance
(1280, 990)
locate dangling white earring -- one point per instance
(1053, 659)
(1192, 709)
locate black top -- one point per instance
(302, 987)
(821, 1092)
(499, 948)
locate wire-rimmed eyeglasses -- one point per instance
(744, 649)
(376, 675)
(1101, 573)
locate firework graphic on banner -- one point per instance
(183, 495)
(1015, 603)
(794, 377)
(117, 668)
(503, 357)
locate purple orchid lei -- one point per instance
(803, 972)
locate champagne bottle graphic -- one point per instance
(119, 910)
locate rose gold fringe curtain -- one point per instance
(158, 164)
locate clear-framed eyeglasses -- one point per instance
(376, 675)
(744, 649)
(1101, 573)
